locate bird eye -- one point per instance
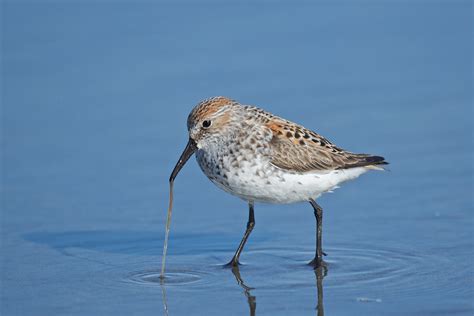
(206, 123)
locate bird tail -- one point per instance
(373, 162)
(366, 161)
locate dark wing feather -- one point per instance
(298, 149)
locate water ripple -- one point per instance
(355, 270)
(354, 267)
(152, 277)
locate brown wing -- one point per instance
(298, 149)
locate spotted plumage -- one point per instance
(255, 155)
(261, 157)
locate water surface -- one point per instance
(95, 99)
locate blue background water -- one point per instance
(95, 97)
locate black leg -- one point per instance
(318, 213)
(250, 224)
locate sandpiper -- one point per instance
(260, 157)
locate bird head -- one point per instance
(206, 123)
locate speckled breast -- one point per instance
(236, 167)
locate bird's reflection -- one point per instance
(251, 300)
(320, 273)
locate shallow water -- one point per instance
(96, 97)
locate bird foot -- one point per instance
(232, 263)
(317, 263)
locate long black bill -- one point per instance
(191, 147)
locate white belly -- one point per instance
(302, 187)
(260, 181)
